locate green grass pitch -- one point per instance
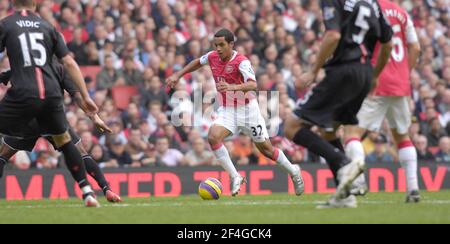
(278, 208)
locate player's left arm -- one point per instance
(331, 39)
(414, 48)
(248, 74)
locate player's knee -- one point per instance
(81, 149)
(399, 138)
(214, 140)
(61, 140)
(292, 127)
(269, 153)
(329, 136)
(290, 131)
(352, 132)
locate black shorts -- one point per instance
(16, 117)
(29, 143)
(338, 98)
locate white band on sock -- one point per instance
(86, 190)
(284, 162)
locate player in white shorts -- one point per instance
(391, 101)
(239, 111)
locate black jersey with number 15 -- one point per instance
(30, 43)
(361, 24)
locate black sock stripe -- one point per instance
(87, 157)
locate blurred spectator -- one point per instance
(131, 74)
(153, 92)
(46, 161)
(381, 153)
(443, 155)
(199, 156)
(423, 154)
(78, 46)
(108, 76)
(245, 150)
(136, 146)
(101, 156)
(167, 156)
(21, 160)
(118, 152)
(436, 132)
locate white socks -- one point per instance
(283, 161)
(354, 149)
(87, 189)
(407, 156)
(223, 157)
(408, 159)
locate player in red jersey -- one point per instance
(239, 110)
(391, 100)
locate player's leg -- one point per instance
(11, 145)
(6, 153)
(329, 96)
(370, 117)
(300, 133)
(95, 172)
(52, 121)
(92, 167)
(331, 137)
(75, 165)
(355, 150)
(217, 134)
(253, 124)
(277, 155)
(14, 118)
(399, 118)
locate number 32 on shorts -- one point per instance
(257, 131)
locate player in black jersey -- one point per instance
(353, 28)
(31, 42)
(11, 145)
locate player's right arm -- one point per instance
(385, 39)
(173, 80)
(98, 122)
(74, 71)
(196, 64)
(414, 48)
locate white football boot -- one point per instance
(297, 179)
(90, 201)
(346, 176)
(336, 202)
(236, 183)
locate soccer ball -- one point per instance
(210, 189)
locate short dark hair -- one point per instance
(163, 138)
(24, 3)
(229, 36)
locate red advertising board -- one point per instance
(171, 182)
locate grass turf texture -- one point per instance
(278, 208)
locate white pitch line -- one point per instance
(216, 203)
